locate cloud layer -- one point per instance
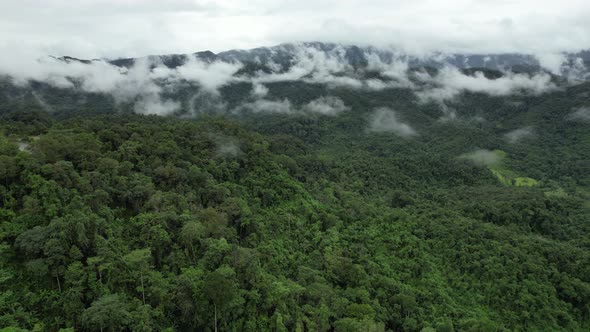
(147, 80)
(143, 83)
(450, 82)
(113, 28)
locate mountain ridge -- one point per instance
(356, 57)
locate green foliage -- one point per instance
(142, 223)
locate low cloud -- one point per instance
(148, 79)
(153, 104)
(259, 90)
(580, 114)
(376, 84)
(315, 66)
(142, 83)
(210, 76)
(152, 26)
(385, 120)
(395, 69)
(204, 102)
(41, 101)
(228, 150)
(551, 61)
(450, 82)
(573, 69)
(332, 68)
(483, 157)
(518, 134)
(449, 113)
(226, 147)
(326, 106)
(514, 103)
(268, 106)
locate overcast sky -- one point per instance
(118, 28)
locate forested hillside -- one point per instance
(418, 219)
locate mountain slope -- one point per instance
(297, 203)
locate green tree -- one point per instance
(108, 313)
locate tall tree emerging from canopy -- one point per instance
(108, 313)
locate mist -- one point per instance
(326, 105)
(267, 106)
(210, 76)
(259, 90)
(450, 83)
(483, 157)
(580, 114)
(153, 104)
(314, 66)
(204, 102)
(385, 120)
(146, 82)
(519, 134)
(226, 147)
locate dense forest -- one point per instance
(246, 221)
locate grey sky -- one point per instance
(115, 28)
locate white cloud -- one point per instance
(376, 84)
(450, 82)
(396, 69)
(326, 105)
(211, 76)
(385, 120)
(97, 28)
(147, 79)
(268, 106)
(259, 90)
(332, 68)
(582, 114)
(483, 157)
(153, 104)
(204, 102)
(315, 66)
(551, 61)
(143, 82)
(516, 135)
(227, 147)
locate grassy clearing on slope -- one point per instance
(507, 176)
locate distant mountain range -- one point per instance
(278, 79)
(355, 56)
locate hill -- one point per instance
(320, 194)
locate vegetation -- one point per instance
(296, 222)
(508, 177)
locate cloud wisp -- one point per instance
(483, 157)
(581, 114)
(451, 82)
(314, 66)
(519, 134)
(325, 105)
(385, 120)
(148, 79)
(267, 106)
(143, 83)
